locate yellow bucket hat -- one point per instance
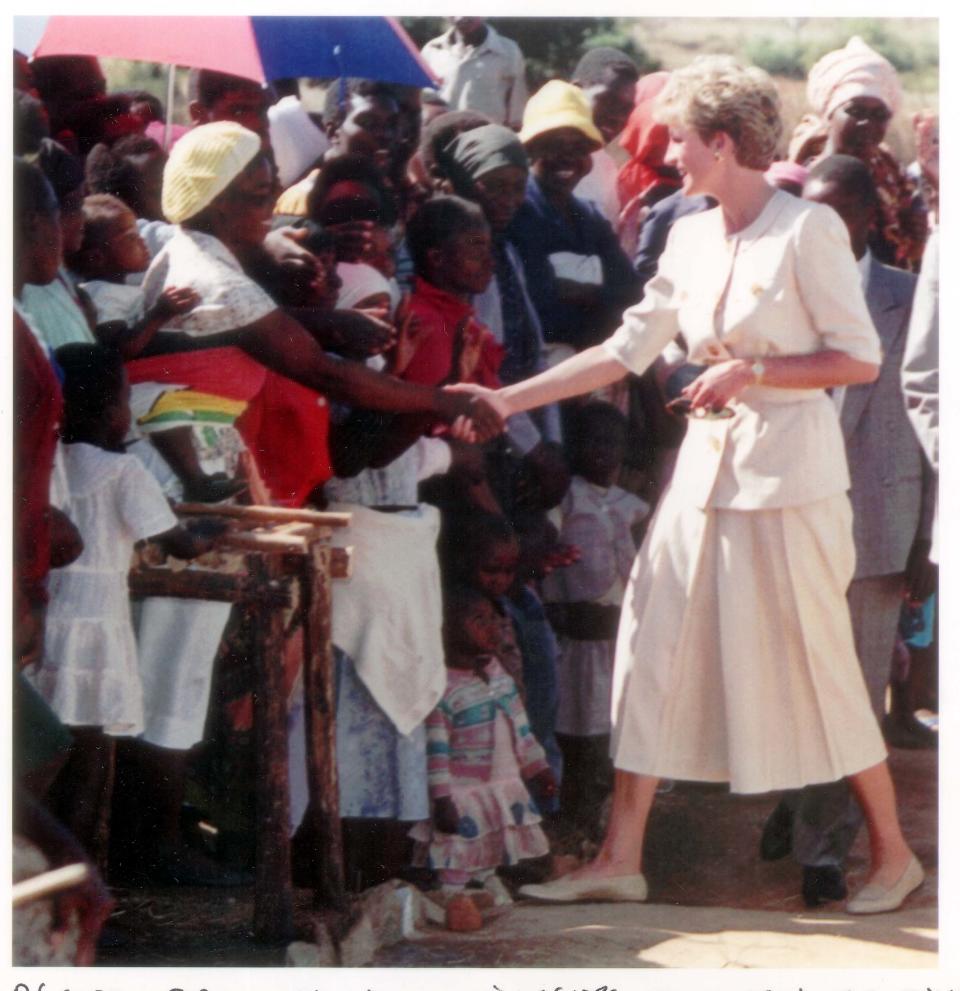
(201, 166)
(558, 104)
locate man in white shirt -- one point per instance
(480, 70)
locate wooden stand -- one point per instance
(285, 559)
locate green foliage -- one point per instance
(793, 56)
(778, 57)
(902, 53)
(422, 29)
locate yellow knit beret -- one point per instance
(201, 166)
(558, 104)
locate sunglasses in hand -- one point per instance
(684, 407)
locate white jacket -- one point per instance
(786, 284)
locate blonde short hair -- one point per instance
(715, 93)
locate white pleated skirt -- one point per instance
(735, 658)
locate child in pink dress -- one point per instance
(481, 757)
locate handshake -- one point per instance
(476, 414)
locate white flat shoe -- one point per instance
(629, 888)
(875, 898)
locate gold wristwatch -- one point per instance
(759, 369)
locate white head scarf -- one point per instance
(360, 282)
(856, 70)
(297, 142)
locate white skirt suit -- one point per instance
(735, 658)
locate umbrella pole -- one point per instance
(171, 90)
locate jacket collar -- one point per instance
(763, 221)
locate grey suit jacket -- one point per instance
(891, 488)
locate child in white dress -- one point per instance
(481, 757)
(89, 672)
(583, 603)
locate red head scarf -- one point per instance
(646, 141)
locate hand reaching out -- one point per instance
(361, 241)
(409, 337)
(174, 301)
(457, 406)
(365, 333)
(926, 130)
(493, 397)
(468, 345)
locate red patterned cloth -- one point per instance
(285, 425)
(895, 240)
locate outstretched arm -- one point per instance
(584, 372)
(283, 345)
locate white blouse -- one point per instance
(229, 298)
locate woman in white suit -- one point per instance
(735, 659)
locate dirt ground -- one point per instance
(701, 851)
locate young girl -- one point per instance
(484, 552)
(89, 673)
(481, 756)
(584, 603)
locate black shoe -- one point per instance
(908, 734)
(823, 884)
(777, 838)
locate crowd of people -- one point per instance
(406, 305)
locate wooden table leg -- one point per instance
(319, 691)
(273, 898)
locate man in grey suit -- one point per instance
(892, 497)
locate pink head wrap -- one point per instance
(786, 172)
(856, 70)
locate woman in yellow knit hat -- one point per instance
(219, 188)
